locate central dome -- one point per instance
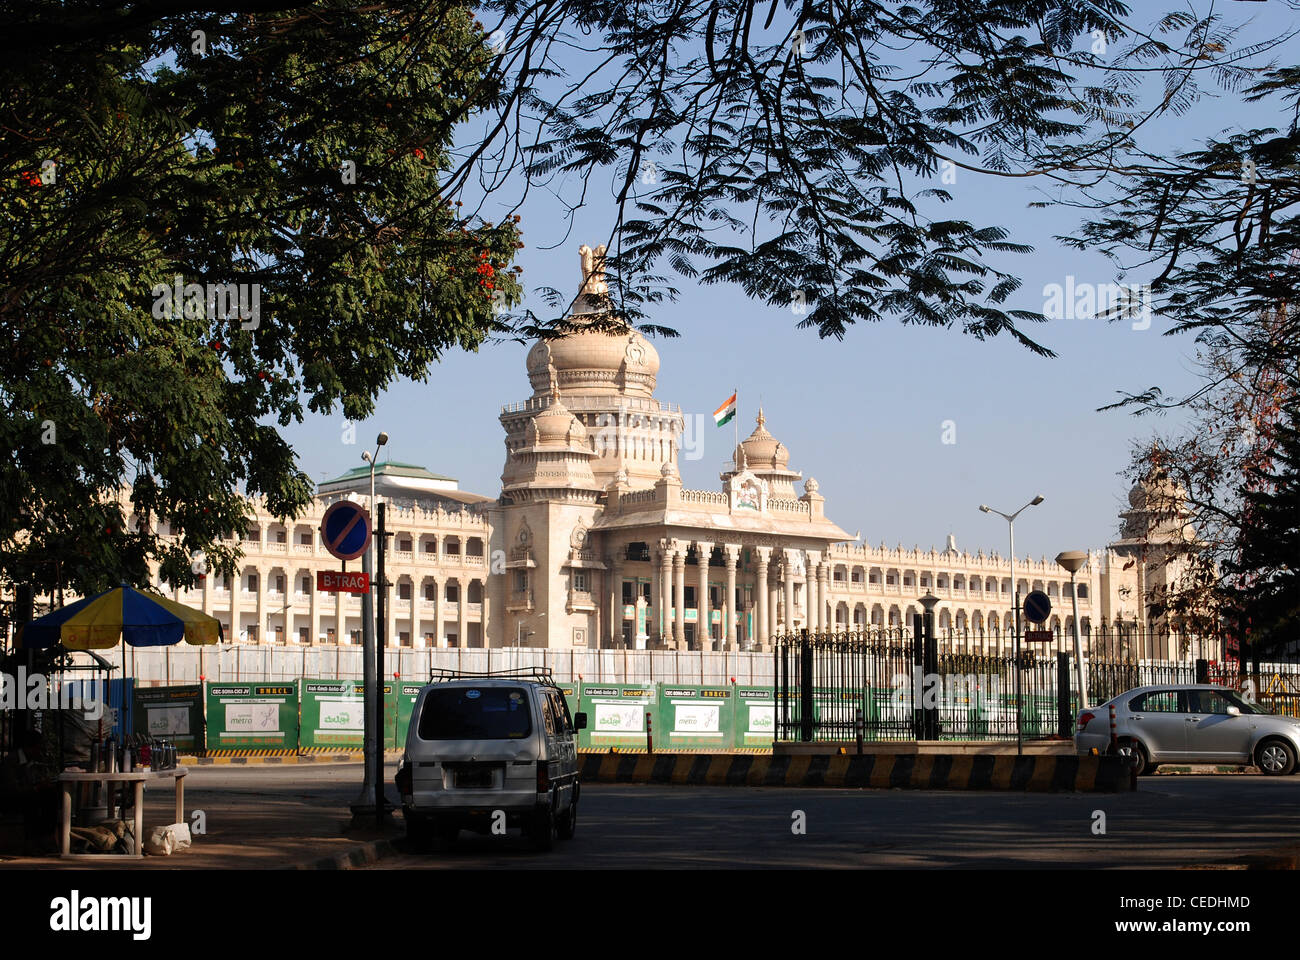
(594, 361)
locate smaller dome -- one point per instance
(761, 450)
(668, 471)
(811, 485)
(556, 425)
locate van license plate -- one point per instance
(474, 778)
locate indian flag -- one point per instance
(726, 412)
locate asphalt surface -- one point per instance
(275, 816)
(1172, 821)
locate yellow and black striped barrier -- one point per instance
(884, 771)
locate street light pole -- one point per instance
(373, 758)
(1072, 561)
(1015, 593)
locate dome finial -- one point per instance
(761, 419)
(593, 270)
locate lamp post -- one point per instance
(930, 666)
(519, 626)
(371, 754)
(1073, 561)
(1015, 593)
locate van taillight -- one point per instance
(1084, 720)
(543, 776)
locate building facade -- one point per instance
(593, 542)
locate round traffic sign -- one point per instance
(1037, 607)
(345, 530)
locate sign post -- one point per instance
(345, 532)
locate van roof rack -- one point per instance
(536, 674)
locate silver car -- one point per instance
(1177, 723)
(487, 752)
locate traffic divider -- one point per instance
(1035, 774)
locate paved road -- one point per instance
(1172, 821)
(274, 815)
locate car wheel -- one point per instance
(419, 832)
(544, 828)
(1275, 757)
(1141, 762)
(569, 822)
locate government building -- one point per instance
(592, 542)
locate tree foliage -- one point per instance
(801, 151)
(229, 161)
(1216, 234)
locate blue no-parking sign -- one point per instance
(345, 530)
(1037, 607)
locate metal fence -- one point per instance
(235, 662)
(831, 686)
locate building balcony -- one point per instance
(404, 556)
(277, 547)
(520, 601)
(304, 548)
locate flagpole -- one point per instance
(735, 422)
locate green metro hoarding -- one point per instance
(333, 714)
(254, 717)
(170, 713)
(616, 714)
(700, 717)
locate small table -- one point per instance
(137, 777)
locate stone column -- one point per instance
(314, 637)
(703, 626)
(679, 594)
(823, 592)
(731, 552)
(289, 593)
(812, 564)
(262, 587)
(761, 595)
(437, 612)
(462, 608)
(776, 602)
(788, 573)
(616, 559)
(654, 624)
(390, 611)
(236, 588)
(665, 591)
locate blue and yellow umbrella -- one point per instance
(122, 614)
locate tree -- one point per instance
(1217, 230)
(296, 157)
(1267, 580)
(801, 153)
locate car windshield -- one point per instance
(475, 713)
(1246, 707)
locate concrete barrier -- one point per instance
(907, 771)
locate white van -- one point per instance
(490, 749)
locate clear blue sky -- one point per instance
(864, 416)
